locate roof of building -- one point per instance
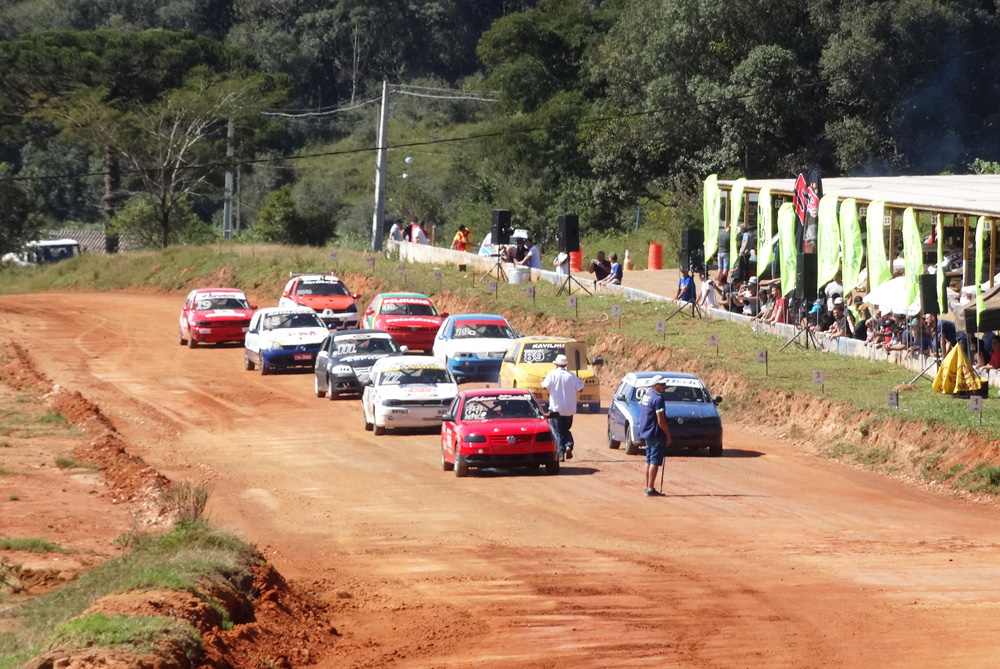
(974, 195)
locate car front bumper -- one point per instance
(409, 416)
(475, 369)
(288, 358)
(218, 334)
(505, 460)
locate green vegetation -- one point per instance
(64, 461)
(983, 478)
(13, 497)
(32, 545)
(30, 423)
(137, 634)
(189, 558)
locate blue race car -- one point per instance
(692, 415)
(472, 346)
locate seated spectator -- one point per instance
(916, 340)
(731, 300)
(861, 322)
(839, 327)
(779, 314)
(942, 332)
(709, 291)
(599, 267)
(751, 299)
(994, 361)
(767, 302)
(616, 273)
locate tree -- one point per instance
(15, 223)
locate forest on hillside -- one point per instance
(114, 114)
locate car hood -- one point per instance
(479, 345)
(411, 321)
(540, 369)
(290, 336)
(680, 410)
(358, 360)
(505, 426)
(321, 302)
(419, 391)
(222, 315)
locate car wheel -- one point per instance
(461, 469)
(331, 394)
(631, 448)
(379, 430)
(594, 407)
(180, 336)
(715, 450)
(368, 426)
(552, 468)
(612, 443)
(264, 370)
(320, 392)
(191, 341)
(247, 365)
(445, 465)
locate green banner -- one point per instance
(978, 279)
(850, 230)
(941, 281)
(913, 252)
(711, 209)
(765, 229)
(828, 241)
(878, 266)
(787, 248)
(735, 208)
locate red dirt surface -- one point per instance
(768, 556)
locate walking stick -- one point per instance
(663, 469)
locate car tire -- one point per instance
(368, 426)
(180, 336)
(192, 343)
(320, 392)
(379, 430)
(715, 450)
(631, 448)
(594, 407)
(461, 469)
(247, 365)
(331, 394)
(612, 443)
(264, 370)
(445, 465)
(552, 468)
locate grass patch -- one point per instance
(13, 497)
(64, 461)
(5, 444)
(185, 501)
(32, 545)
(875, 457)
(983, 478)
(192, 553)
(52, 418)
(8, 472)
(137, 634)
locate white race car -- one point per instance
(472, 346)
(407, 391)
(283, 338)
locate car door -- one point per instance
(252, 339)
(370, 312)
(185, 323)
(441, 341)
(449, 431)
(507, 366)
(322, 362)
(617, 413)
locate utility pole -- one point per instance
(227, 210)
(381, 156)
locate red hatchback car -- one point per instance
(411, 319)
(494, 428)
(214, 316)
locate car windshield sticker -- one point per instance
(321, 287)
(346, 347)
(482, 329)
(500, 406)
(415, 375)
(230, 302)
(463, 331)
(542, 352)
(281, 321)
(397, 306)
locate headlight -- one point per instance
(342, 369)
(272, 345)
(474, 439)
(203, 323)
(465, 355)
(391, 403)
(545, 436)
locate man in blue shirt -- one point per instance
(685, 287)
(615, 275)
(653, 428)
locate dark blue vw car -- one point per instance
(692, 415)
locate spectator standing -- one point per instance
(462, 239)
(724, 249)
(420, 234)
(532, 257)
(396, 231)
(833, 290)
(654, 430)
(564, 388)
(685, 287)
(614, 276)
(410, 227)
(561, 263)
(599, 267)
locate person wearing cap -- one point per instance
(396, 231)
(564, 388)
(751, 299)
(654, 430)
(833, 290)
(531, 258)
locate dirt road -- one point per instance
(767, 556)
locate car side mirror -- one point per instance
(252, 331)
(356, 296)
(448, 417)
(369, 312)
(444, 315)
(717, 400)
(253, 307)
(598, 362)
(404, 349)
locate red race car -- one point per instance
(411, 319)
(214, 316)
(494, 428)
(326, 295)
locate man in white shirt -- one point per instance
(420, 234)
(564, 387)
(396, 231)
(532, 257)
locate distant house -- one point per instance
(92, 241)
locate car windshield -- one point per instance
(283, 321)
(404, 376)
(542, 352)
(408, 309)
(321, 288)
(205, 304)
(683, 391)
(358, 345)
(473, 330)
(500, 406)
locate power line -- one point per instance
(446, 97)
(318, 114)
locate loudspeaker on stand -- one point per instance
(569, 233)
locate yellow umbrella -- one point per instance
(956, 374)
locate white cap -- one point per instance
(656, 380)
(561, 360)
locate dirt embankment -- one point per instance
(274, 623)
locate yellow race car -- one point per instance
(529, 359)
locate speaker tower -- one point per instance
(569, 233)
(692, 255)
(928, 294)
(501, 230)
(806, 277)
